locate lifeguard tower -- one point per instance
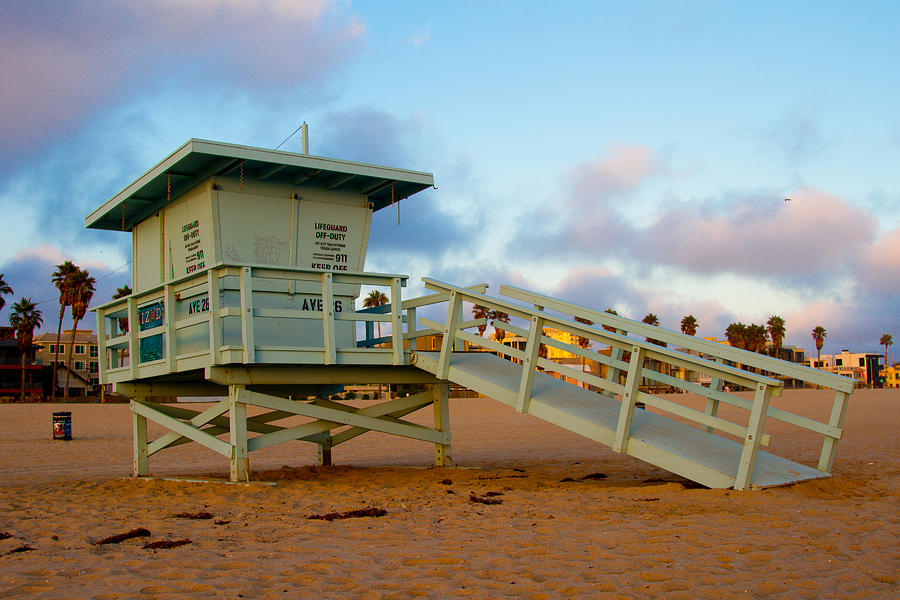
(246, 267)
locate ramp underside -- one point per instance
(690, 452)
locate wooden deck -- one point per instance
(688, 451)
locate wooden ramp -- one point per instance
(694, 453)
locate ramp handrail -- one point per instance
(634, 368)
(842, 386)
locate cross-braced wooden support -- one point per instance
(330, 423)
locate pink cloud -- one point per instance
(59, 66)
(881, 264)
(815, 233)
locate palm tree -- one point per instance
(375, 298)
(756, 338)
(651, 319)
(60, 279)
(501, 316)
(819, 334)
(775, 327)
(689, 325)
(82, 290)
(25, 318)
(736, 334)
(481, 312)
(4, 290)
(886, 340)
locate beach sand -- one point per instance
(638, 532)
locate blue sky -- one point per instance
(634, 155)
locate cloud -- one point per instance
(813, 237)
(584, 218)
(425, 226)
(63, 63)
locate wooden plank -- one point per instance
(196, 421)
(247, 336)
(440, 394)
(171, 349)
(134, 354)
(626, 407)
(744, 476)
(449, 335)
(399, 406)
(529, 363)
(836, 420)
(141, 452)
(330, 354)
(237, 412)
(397, 321)
(346, 416)
(214, 444)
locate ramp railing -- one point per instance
(629, 356)
(842, 387)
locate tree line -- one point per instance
(76, 289)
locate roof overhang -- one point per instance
(198, 160)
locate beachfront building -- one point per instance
(11, 368)
(85, 368)
(891, 376)
(863, 367)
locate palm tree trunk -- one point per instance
(62, 310)
(69, 359)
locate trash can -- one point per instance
(62, 425)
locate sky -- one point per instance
(627, 155)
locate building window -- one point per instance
(62, 348)
(94, 352)
(838, 362)
(95, 366)
(79, 349)
(78, 366)
(862, 362)
(52, 348)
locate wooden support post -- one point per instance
(396, 321)
(102, 356)
(626, 409)
(744, 477)
(323, 458)
(411, 326)
(247, 316)
(141, 454)
(712, 405)
(134, 344)
(529, 363)
(440, 393)
(215, 324)
(829, 446)
(169, 304)
(237, 413)
(453, 309)
(328, 319)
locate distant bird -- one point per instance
(787, 199)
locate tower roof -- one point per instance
(198, 160)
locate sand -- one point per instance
(638, 532)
